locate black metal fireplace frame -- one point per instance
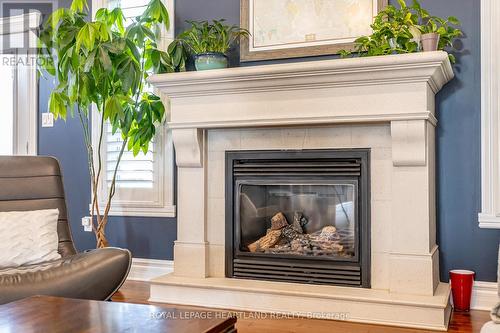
(361, 262)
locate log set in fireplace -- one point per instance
(299, 216)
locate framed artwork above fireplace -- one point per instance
(299, 28)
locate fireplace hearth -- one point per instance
(298, 216)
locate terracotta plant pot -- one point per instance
(430, 42)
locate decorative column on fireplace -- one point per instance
(298, 216)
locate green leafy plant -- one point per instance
(103, 64)
(178, 54)
(398, 30)
(205, 37)
(393, 32)
(445, 28)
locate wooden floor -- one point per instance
(138, 292)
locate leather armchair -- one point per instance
(35, 182)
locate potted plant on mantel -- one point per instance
(103, 64)
(208, 42)
(406, 29)
(437, 33)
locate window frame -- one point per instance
(489, 217)
(25, 125)
(161, 204)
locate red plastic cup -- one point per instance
(461, 288)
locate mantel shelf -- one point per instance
(431, 67)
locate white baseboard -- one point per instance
(484, 295)
(147, 269)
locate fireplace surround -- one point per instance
(298, 216)
(385, 104)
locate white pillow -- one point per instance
(28, 237)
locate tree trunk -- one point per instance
(100, 233)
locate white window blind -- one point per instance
(133, 172)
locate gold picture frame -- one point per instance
(284, 51)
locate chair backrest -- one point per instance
(33, 183)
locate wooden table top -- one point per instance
(55, 314)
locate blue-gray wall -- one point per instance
(462, 243)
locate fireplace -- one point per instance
(283, 113)
(299, 216)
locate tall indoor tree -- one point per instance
(101, 64)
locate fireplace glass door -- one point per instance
(306, 219)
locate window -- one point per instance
(144, 184)
(135, 172)
(489, 217)
(18, 87)
(7, 94)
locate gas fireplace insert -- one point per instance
(299, 216)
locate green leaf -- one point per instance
(113, 108)
(117, 46)
(145, 148)
(78, 5)
(128, 72)
(133, 49)
(157, 12)
(57, 105)
(73, 89)
(102, 31)
(67, 36)
(89, 63)
(408, 18)
(119, 19)
(126, 123)
(105, 60)
(86, 37)
(101, 15)
(130, 143)
(453, 20)
(136, 149)
(54, 18)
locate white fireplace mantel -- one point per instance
(365, 75)
(386, 104)
(398, 89)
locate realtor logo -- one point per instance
(21, 23)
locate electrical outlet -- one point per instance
(87, 223)
(47, 119)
